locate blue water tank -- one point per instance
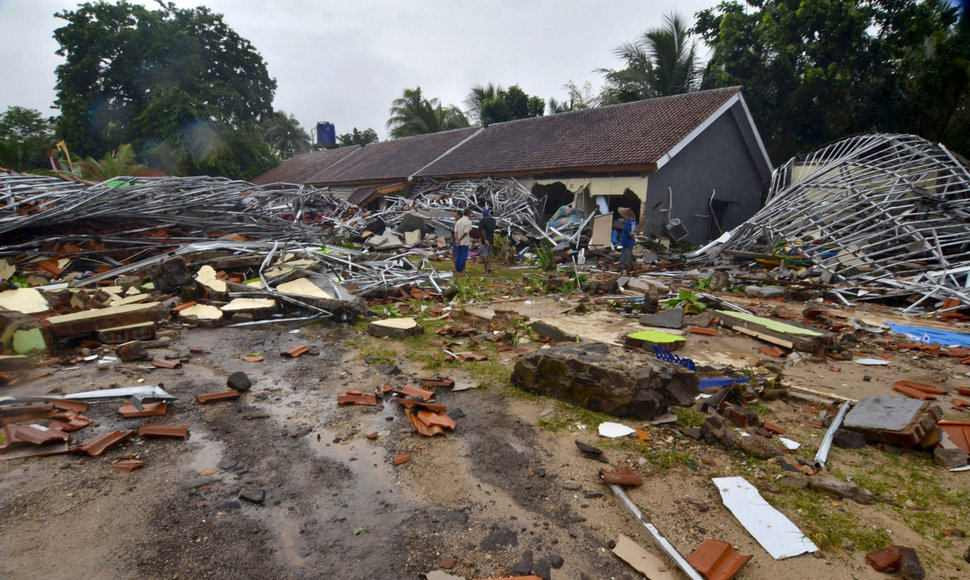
(326, 134)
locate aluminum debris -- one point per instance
(885, 214)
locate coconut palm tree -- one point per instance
(477, 97)
(663, 61)
(283, 134)
(412, 114)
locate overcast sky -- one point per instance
(346, 61)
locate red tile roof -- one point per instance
(628, 136)
(298, 169)
(393, 160)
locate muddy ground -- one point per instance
(505, 494)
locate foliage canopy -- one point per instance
(178, 84)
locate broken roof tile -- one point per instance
(101, 442)
(175, 431)
(622, 477)
(130, 411)
(356, 398)
(217, 396)
(717, 560)
(296, 351)
(128, 465)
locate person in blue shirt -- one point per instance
(628, 238)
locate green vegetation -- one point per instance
(167, 82)
(828, 523)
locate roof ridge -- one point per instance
(735, 88)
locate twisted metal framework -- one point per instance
(876, 210)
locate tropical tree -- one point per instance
(815, 71)
(663, 61)
(283, 134)
(24, 136)
(124, 161)
(478, 95)
(357, 137)
(412, 114)
(510, 104)
(178, 84)
(579, 98)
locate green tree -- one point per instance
(283, 134)
(158, 79)
(124, 161)
(510, 104)
(25, 136)
(412, 114)
(663, 61)
(579, 98)
(478, 95)
(815, 71)
(357, 137)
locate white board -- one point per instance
(775, 532)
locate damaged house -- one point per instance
(691, 166)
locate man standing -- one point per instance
(628, 238)
(487, 225)
(463, 237)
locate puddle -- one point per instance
(207, 456)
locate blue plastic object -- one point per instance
(931, 335)
(719, 382)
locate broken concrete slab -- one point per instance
(304, 287)
(24, 300)
(673, 318)
(841, 489)
(201, 312)
(395, 327)
(256, 307)
(130, 332)
(90, 321)
(606, 379)
(895, 420)
(209, 278)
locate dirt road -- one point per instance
(505, 494)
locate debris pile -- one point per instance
(884, 214)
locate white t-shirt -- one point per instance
(463, 230)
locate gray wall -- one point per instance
(718, 159)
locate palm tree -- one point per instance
(283, 134)
(477, 97)
(123, 162)
(412, 114)
(662, 62)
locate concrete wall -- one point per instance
(717, 159)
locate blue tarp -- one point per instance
(931, 335)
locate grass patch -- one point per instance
(688, 417)
(829, 524)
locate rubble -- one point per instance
(602, 379)
(882, 213)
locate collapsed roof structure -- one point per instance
(884, 211)
(690, 166)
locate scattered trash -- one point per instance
(615, 430)
(776, 533)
